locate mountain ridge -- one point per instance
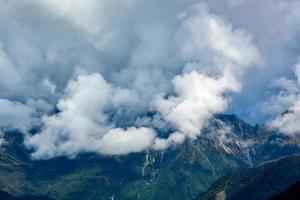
(256, 183)
(181, 172)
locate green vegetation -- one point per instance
(261, 183)
(182, 172)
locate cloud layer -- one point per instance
(85, 122)
(118, 77)
(83, 125)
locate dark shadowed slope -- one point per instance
(258, 183)
(292, 193)
(7, 196)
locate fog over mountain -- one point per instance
(124, 76)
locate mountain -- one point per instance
(260, 183)
(226, 145)
(292, 193)
(7, 196)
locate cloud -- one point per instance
(49, 85)
(288, 123)
(174, 139)
(15, 116)
(83, 122)
(286, 104)
(200, 95)
(9, 75)
(161, 73)
(237, 2)
(274, 29)
(118, 141)
(198, 98)
(209, 37)
(181, 66)
(141, 45)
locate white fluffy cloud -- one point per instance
(212, 55)
(174, 139)
(119, 141)
(83, 124)
(198, 98)
(182, 64)
(288, 123)
(287, 105)
(199, 95)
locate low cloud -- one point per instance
(199, 95)
(286, 104)
(119, 141)
(15, 116)
(174, 139)
(214, 58)
(83, 124)
(198, 98)
(115, 80)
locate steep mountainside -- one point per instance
(293, 192)
(259, 183)
(227, 145)
(7, 196)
